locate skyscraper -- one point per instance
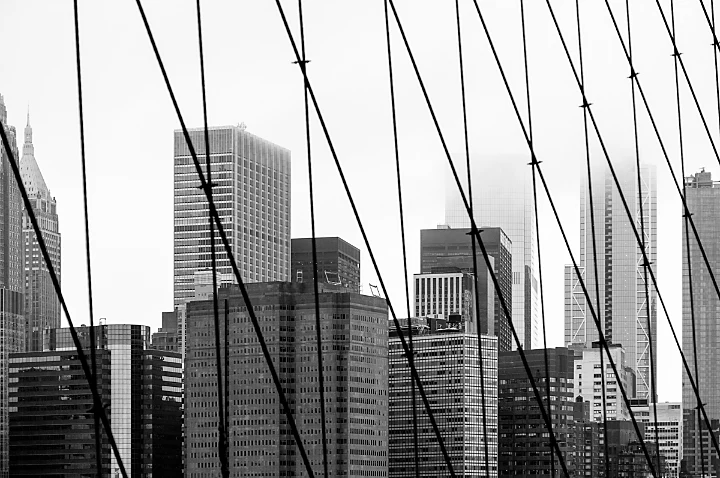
(42, 308)
(703, 201)
(502, 197)
(623, 311)
(338, 262)
(252, 193)
(12, 322)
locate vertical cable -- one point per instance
(593, 233)
(402, 236)
(93, 359)
(473, 240)
(533, 164)
(227, 383)
(222, 439)
(318, 324)
(715, 59)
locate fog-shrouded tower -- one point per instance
(42, 308)
(623, 312)
(502, 197)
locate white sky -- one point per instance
(130, 121)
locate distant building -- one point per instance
(167, 337)
(50, 425)
(452, 248)
(589, 461)
(354, 334)
(252, 193)
(448, 365)
(703, 201)
(632, 462)
(338, 262)
(523, 442)
(670, 431)
(621, 434)
(588, 381)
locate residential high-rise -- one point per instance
(624, 310)
(670, 431)
(446, 247)
(251, 178)
(338, 262)
(449, 368)
(502, 197)
(354, 340)
(42, 307)
(703, 201)
(12, 321)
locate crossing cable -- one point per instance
(646, 263)
(476, 232)
(222, 432)
(402, 236)
(537, 235)
(606, 443)
(93, 357)
(603, 342)
(473, 242)
(318, 326)
(687, 236)
(348, 193)
(226, 244)
(87, 371)
(687, 215)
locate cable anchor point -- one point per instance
(633, 74)
(585, 104)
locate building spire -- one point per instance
(28, 115)
(28, 134)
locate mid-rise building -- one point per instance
(503, 197)
(620, 434)
(445, 247)
(624, 309)
(670, 432)
(354, 340)
(703, 201)
(42, 307)
(588, 381)
(251, 178)
(523, 440)
(449, 367)
(589, 459)
(167, 337)
(12, 302)
(338, 262)
(52, 428)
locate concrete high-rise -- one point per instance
(252, 193)
(703, 201)
(42, 307)
(623, 311)
(12, 321)
(448, 365)
(338, 262)
(355, 359)
(502, 197)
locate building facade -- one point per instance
(338, 262)
(354, 335)
(251, 179)
(502, 197)
(589, 443)
(449, 368)
(12, 302)
(449, 295)
(621, 279)
(168, 336)
(445, 247)
(670, 432)
(703, 201)
(42, 307)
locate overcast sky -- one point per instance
(250, 78)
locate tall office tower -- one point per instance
(42, 307)
(703, 201)
(12, 321)
(51, 429)
(670, 431)
(354, 338)
(588, 381)
(252, 193)
(448, 365)
(446, 247)
(338, 262)
(502, 197)
(523, 439)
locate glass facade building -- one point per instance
(502, 197)
(624, 310)
(338, 262)
(251, 179)
(449, 368)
